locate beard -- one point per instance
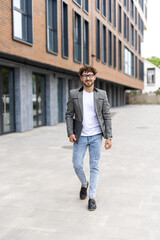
(88, 83)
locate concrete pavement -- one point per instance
(39, 192)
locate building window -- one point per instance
(132, 35)
(22, 21)
(127, 29)
(114, 52)
(98, 5)
(125, 26)
(125, 3)
(39, 99)
(135, 15)
(104, 8)
(132, 8)
(114, 9)
(142, 26)
(135, 67)
(128, 62)
(139, 22)
(77, 37)
(110, 11)
(136, 40)
(52, 26)
(139, 44)
(141, 4)
(109, 48)
(119, 55)
(120, 19)
(77, 2)
(128, 5)
(86, 6)
(98, 39)
(104, 49)
(145, 12)
(64, 29)
(86, 43)
(141, 70)
(150, 76)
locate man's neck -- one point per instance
(90, 89)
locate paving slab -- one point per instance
(39, 192)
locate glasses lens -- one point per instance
(86, 76)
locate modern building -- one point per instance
(43, 43)
(151, 77)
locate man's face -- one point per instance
(88, 79)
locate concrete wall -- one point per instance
(143, 98)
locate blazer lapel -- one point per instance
(80, 100)
(96, 101)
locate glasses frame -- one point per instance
(85, 76)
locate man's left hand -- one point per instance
(108, 144)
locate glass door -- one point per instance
(7, 112)
(39, 100)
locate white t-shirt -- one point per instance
(90, 122)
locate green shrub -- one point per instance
(133, 92)
(157, 92)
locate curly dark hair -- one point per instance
(87, 69)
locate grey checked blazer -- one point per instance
(102, 109)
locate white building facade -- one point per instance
(151, 77)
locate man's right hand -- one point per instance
(72, 138)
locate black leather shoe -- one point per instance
(91, 204)
(83, 192)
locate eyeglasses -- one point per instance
(86, 76)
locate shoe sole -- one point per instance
(83, 198)
(92, 209)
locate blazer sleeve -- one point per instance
(107, 117)
(69, 115)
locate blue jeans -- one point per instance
(79, 150)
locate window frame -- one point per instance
(48, 50)
(29, 31)
(84, 20)
(62, 29)
(132, 34)
(87, 12)
(75, 60)
(104, 44)
(114, 14)
(98, 41)
(119, 55)
(110, 57)
(119, 19)
(136, 75)
(151, 83)
(129, 62)
(110, 12)
(125, 25)
(141, 71)
(104, 10)
(98, 9)
(79, 5)
(114, 52)
(132, 9)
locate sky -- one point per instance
(151, 45)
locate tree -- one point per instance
(154, 60)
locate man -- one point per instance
(89, 106)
